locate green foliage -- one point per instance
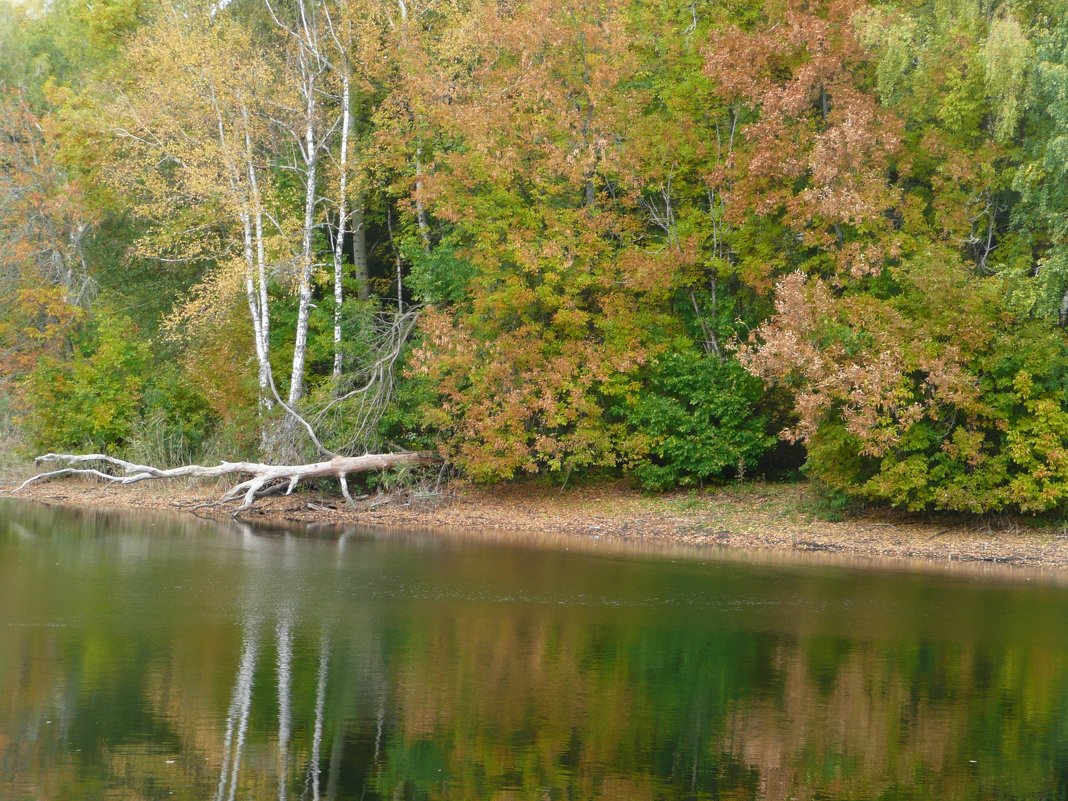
(176, 421)
(609, 190)
(93, 399)
(111, 395)
(440, 274)
(697, 415)
(404, 422)
(982, 426)
(1007, 56)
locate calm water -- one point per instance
(163, 658)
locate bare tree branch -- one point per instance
(266, 479)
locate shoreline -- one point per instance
(758, 516)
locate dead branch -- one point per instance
(374, 383)
(263, 479)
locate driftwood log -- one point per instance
(262, 479)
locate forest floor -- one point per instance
(784, 517)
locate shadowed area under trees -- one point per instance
(679, 242)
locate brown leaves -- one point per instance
(43, 224)
(859, 358)
(820, 151)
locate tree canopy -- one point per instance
(681, 242)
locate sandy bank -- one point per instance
(760, 516)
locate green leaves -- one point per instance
(1007, 54)
(594, 202)
(696, 416)
(92, 400)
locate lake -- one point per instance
(165, 657)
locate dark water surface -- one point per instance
(151, 657)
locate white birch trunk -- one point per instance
(300, 342)
(342, 219)
(263, 329)
(253, 298)
(310, 65)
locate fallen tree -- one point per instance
(373, 391)
(262, 479)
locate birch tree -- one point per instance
(341, 42)
(308, 67)
(191, 134)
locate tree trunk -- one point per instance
(256, 281)
(242, 197)
(261, 265)
(266, 479)
(359, 251)
(310, 65)
(262, 357)
(342, 220)
(300, 343)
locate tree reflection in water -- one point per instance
(238, 715)
(191, 662)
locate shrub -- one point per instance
(93, 399)
(696, 415)
(938, 397)
(110, 395)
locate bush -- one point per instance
(93, 399)
(111, 396)
(696, 416)
(1006, 449)
(175, 421)
(938, 397)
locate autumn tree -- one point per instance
(45, 285)
(192, 131)
(626, 238)
(815, 147)
(548, 323)
(933, 384)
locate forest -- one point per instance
(675, 242)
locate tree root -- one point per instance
(264, 479)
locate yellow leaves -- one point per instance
(525, 400)
(1024, 385)
(218, 362)
(1007, 55)
(180, 128)
(38, 321)
(207, 303)
(571, 321)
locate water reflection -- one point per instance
(162, 658)
(238, 715)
